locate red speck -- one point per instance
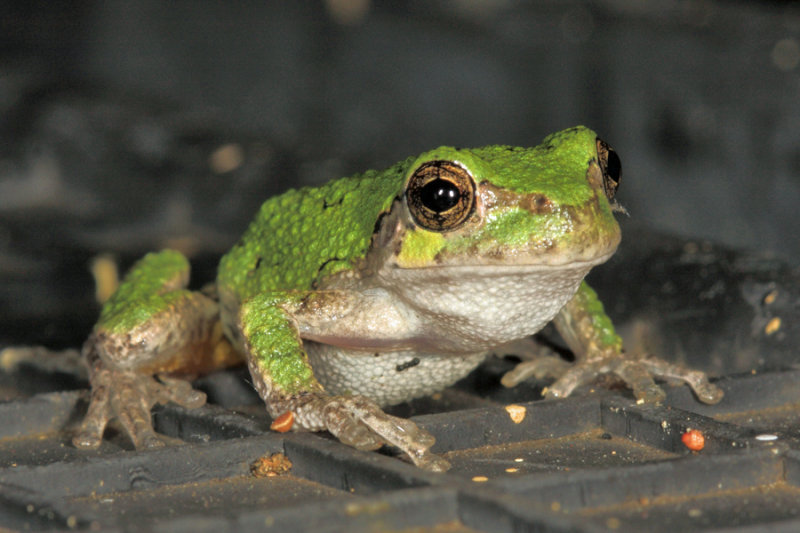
(283, 423)
(694, 440)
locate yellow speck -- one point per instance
(786, 54)
(348, 12)
(512, 470)
(519, 460)
(273, 465)
(639, 401)
(480, 479)
(772, 326)
(516, 412)
(613, 523)
(555, 506)
(106, 277)
(695, 512)
(770, 297)
(359, 508)
(226, 158)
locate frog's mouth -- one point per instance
(580, 253)
(502, 267)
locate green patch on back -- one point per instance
(144, 292)
(303, 235)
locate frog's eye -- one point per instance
(440, 195)
(610, 166)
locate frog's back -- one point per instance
(306, 234)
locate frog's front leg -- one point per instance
(590, 335)
(150, 332)
(285, 380)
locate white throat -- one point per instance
(478, 307)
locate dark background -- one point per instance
(111, 114)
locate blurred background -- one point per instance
(130, 126)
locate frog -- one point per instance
(382, 287)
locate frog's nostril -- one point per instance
(539, 204)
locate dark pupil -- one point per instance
(614, 168)
(439, 195)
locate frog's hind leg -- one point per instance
(590, 335)
(152, 336)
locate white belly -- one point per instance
(390, 377)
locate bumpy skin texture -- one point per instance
(382, 287)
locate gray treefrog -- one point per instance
(379, 288)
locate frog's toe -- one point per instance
(87, 440)
(179, 391)
(540, 368)
(359, 422)
(90, 433)
(706, 392)
(132, 408)
(346, 427)
(432, 463)
(638, 374)
(640, 380)
(575, 376)
(633, 373)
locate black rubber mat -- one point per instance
(593, 462)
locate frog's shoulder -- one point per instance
(305, 234)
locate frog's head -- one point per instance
(551, 205)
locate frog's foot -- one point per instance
(129, 396)
(636, 373)
(358, 422)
